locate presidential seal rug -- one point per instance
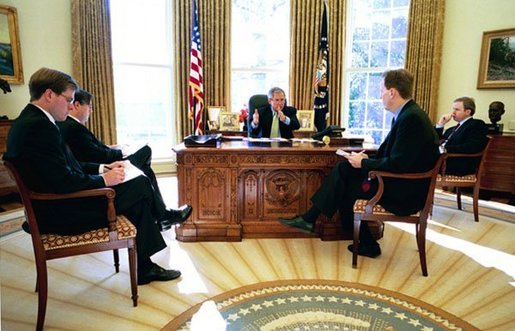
(302, 305)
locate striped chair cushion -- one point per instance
(454, 178)
(360, 204)
(124, 228)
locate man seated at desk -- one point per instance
(276, 120)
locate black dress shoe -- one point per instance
(157, 273)
(177, 216)
(25, 227)
(372, 250)
(299, 223)
(181, 214)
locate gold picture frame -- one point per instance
(10, 55)
(229, 121)
(213, 117)
(306, 120)
(497, 64)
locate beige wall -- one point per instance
(465, 22)
(45, 38)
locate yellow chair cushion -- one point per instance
(360, 204)
(124, 228)
(454, 178)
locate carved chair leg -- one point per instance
(355, 243)
(458, 197)
(475, 203)
(421, 243)
(133, 270)
(42, 289)
(116, 257)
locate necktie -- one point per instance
(445, 140)
(453, 131)
(274, 132)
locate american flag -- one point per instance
(196, 90)
(321, 102)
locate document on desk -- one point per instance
(267, 140)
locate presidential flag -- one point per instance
(321, 102)
(196, 91)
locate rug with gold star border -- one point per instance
(316, 305)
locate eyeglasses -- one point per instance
(68, 99)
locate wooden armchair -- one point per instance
(372, 211)
(120, 233)
(472, 180)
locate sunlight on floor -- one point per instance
(208, 318)
(487, 257)
(193, 282)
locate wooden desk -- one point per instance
(499, 167)
(239, 191)
(7, 185)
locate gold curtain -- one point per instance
(424, 50)
(306, 19)
(214, 21)
(92, 62)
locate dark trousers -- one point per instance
(142, 159)
(344, 185)
(135, 199)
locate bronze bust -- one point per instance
(495, 111)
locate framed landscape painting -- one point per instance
(10, 56)
(497, 64)
(229, 121)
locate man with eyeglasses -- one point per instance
(87, 148)
(36, 149)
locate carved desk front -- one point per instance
(239, 191)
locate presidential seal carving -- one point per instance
(282, 188)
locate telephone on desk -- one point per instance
(331, 131)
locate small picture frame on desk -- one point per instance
(229, 121)
(10, 55)
(213, 113)
(306, 120)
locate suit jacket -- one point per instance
(265, 123)
(470, 138)
(84, 145)
(411, 146)
(35, 147)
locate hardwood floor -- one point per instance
(471, 273)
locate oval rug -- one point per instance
(317, 305)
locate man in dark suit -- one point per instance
(467, 137)
(36, 148)
(87, 148)
(411, 146)
(276, 120)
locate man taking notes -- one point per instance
(411, 146)
(87, 148)
(36, 149)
